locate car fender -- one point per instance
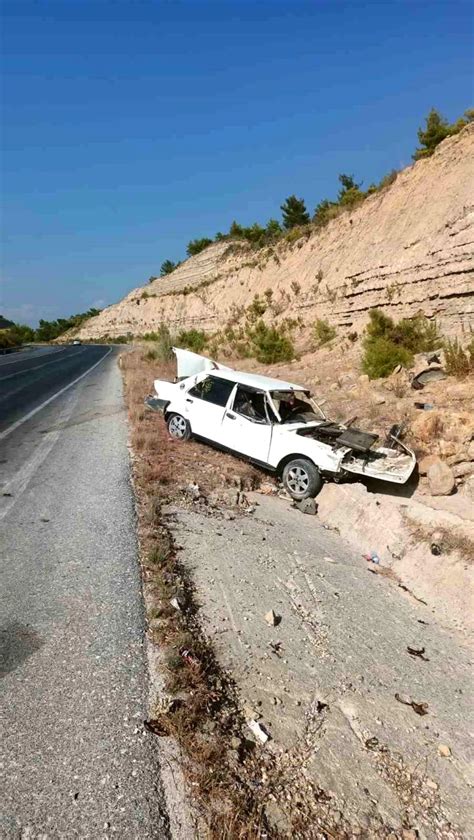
(286, 445)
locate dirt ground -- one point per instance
(353, 750)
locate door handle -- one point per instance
(190, 401)
(230, 416)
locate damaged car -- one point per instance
(277, 425)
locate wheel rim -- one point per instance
(177, 426)
(298, 480)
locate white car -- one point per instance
(274, 424)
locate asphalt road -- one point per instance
(76, 761)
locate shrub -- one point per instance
(325, 211)
(323, 332)
(459, 362)
(194, 340)
(163, 343)
(294, 212)
(388, 344)
(270, 344)
(197, 245)
(295, 287)
(256, 309)
(381, 356)
(167, 267)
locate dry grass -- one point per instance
(203, 715)
(448, 540)
(234, 782)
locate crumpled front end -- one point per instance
(384, 463)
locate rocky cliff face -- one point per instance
(406, 249)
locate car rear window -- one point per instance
(213, 390)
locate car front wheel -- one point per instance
(178, 427)
(302, 479)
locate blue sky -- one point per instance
(133, 126)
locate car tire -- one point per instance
(178, 427)
(302, 479)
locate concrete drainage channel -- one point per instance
(329, 690)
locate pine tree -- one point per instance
(166, 268)
(294, 212)
(437, 129)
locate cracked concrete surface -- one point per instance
(323, 681)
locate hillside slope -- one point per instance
(407, 248)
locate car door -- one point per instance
(245, 427)
(205, 405)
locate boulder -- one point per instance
(425, 463)
(427, 426)
(440, 478)
(462, 469)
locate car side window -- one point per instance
(250, 404)
(213, 390)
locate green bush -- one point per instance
(437, 128)
(294, 212)
(323, 332)
(163, 343)
(459, 362)
(381, 356)
(197, 245)
(167, 267)
(388, 344)
(270, 344)
(194, 340)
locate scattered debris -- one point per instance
(372, 557)
(329, 560)
(424, 406)
(272, 618)
(444, 750)
(417, 651)
(193, 491)
(419, 708)
(276, 648)
(258, 731)
(175, 603)
(431, 374)
(436, 544)
(308, 506)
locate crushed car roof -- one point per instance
(254, 380)
(190, 363)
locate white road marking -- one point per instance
(17, 486)
(36, 367)
(32, 413)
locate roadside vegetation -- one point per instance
(296, 220)
(233, 780)
(388, 343)
(199, 709)
(19, 334)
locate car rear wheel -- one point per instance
(178, 427)
(302, 479)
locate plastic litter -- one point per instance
(372, 557)
(258, 731)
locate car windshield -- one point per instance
(293, 406)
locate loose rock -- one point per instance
(440, 478)
(272, 619)
(444, 750)
(308, 506)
